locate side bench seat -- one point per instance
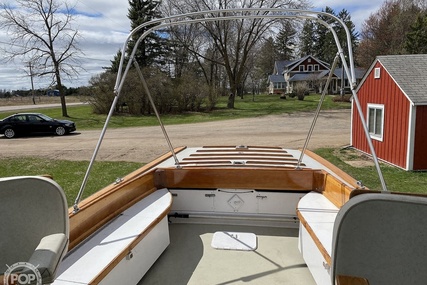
(317, 216)
(129, 244)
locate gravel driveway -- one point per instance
(143, 144)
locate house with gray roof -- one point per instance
(393, 97)
(276, 81)
(310, 70)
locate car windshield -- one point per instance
(46, 118)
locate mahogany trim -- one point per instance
(351, 280)
(336, 191)
(107, 203)
(248, 147)
(240, 178)
(133, 175)
(349, 179)
(316, 240)
(282, 151)
(238, 154)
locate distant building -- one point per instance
(310, 70)
(52, 92)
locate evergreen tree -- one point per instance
(285, 42)
(152, 49)
(325, 46)
(266, 58)
(416, 39)
(307, 39)
(344, 15)
(317, 40)
(114, 68)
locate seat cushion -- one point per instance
(48, 254)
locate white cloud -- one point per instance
(103, 26)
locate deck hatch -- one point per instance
(234, 241)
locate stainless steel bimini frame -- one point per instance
(226, 15)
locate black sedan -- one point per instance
(34, 123)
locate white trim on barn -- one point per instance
(351, 121)
(374, 135)
(411, 137)
(377, 72)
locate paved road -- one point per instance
(31, 107)
(142, 144)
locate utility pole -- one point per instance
(32, 83)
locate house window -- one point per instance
(301, 68)
(316, 67)
(310, 67)
(376, 121)
(279, 85)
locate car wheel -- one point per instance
(9, 133)
(60, 131)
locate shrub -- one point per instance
(301, 89)
(187, 93)
(345, 98)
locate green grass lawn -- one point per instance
(249, 106)
(68, 174)
(396, 179)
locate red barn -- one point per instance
(393, 96)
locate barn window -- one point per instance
(377, 73)
(376, 121)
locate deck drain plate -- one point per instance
(234, 241)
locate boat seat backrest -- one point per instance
(34, 222)
(381, 237)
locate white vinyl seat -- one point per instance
(34, 222)
(382, 238)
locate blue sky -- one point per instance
(359, 10)
(104, 25)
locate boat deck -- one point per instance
(190, 258)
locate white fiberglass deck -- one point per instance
(190, 258)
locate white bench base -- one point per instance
(319, 213)
(90, 260)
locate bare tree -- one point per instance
(41, 32)
(233, 40)
(384, 32)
